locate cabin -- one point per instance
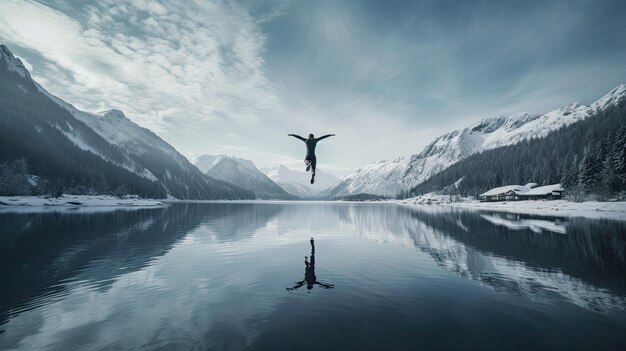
(529, 191)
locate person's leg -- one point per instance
(313, 163)
(307, 162)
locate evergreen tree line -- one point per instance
(32, 129)
(34, 139)
(587, 158)
(15, 179)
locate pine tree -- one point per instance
(590, 171)
(609, 177)
(585, 169)
(569, 175)
(618, 156)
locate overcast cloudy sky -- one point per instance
(385, 76)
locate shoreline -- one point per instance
(550, 208)
(73, 202)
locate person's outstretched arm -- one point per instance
(298, 285)
(325, 286)
(297, 136)
(325, 136)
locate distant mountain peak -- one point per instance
(206, 162)
(241, 172)
(297, 182)
(113, 113)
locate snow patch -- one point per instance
(79, 142)
(40, 203)
(560, 208)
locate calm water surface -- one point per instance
(233, 277)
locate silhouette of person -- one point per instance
(309, 273)
(310, 160)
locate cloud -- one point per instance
(27, 64)
(192, 64)
(235, 77)
(399, 75)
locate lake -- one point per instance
(233, 276)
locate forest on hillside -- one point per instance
(588, 158)
(32, 141)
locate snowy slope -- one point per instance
(297, 182)
(391, 177)
(110, 136)
(118, 130)
(205, 162)
(243, 173)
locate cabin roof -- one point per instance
(523, 190)
(519, 189)
(545, 190)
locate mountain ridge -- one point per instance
(392, 177)
(243, 173)
(297, 182)
(93, 152)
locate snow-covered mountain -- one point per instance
(298, 182)
(96, 151)
(206, 162)
(242, 173)
(392, 177)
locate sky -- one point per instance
(222, 77)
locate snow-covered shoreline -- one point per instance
(555, 208)
(41, 203)
(559, 208)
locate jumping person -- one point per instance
(310, 160)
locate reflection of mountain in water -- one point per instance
(41, 253)
(236, 221)
(585, 267)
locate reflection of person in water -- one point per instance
(309, 273)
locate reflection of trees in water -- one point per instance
(586, 265)
(41, 252)
(592, 250)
